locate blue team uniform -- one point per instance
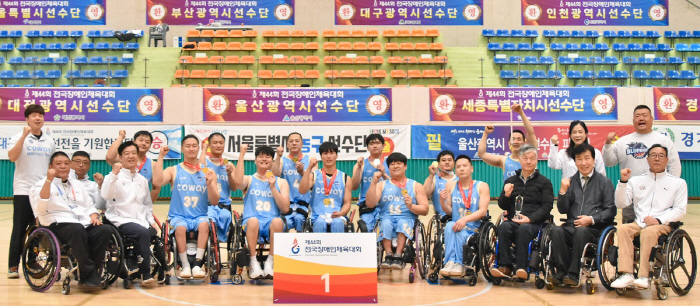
(455, 240)
(367, 175)
(189, 202)
(510, 167)
(320, 211)
(259, 203)
(147, 171)
(221, 216)
(298, 203)
(439, 185)
(395, 216)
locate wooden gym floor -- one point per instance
(393, 287)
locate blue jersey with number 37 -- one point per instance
(189, 196)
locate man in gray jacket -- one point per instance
(588, 200)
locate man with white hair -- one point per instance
(527, 198)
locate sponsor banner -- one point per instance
(428, 140)
(595, 13)
(225, 12)
(539, 104)
(36, 12)
(96, 139)
(350, 139)
(403, 13)
(84, 105)
(297, 105)
(320, 268)
(686, 138)
(676, 103)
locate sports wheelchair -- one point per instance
(471, 250)
(669, 261)
(239, 255)
(132, 262)
(414, 252)
(349, 227)
(488, 252)
(44, 255)
(587, 268)
(211, 260)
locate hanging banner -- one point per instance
(84, 105)
(350, 138)
(96, 139)
(686, 138)
(297, 105)
(35, 12)
(595, 13)
(420, 13)
(676, 103)
(539, 104)
(428, 140)
(226, 13)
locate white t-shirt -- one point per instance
(33, 162)
(630, 151)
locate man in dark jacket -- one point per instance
(588, 200)
(537, 195)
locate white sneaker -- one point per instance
(445, 271)
(255, 270)
(457, 270)
(623, 281)
(641, 283)
(185, 272)
(197, 272)
(269, 271)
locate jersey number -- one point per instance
(262, 206)
(395, 209)
(191, 201)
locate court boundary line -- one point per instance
(488, 287)
(139, 289)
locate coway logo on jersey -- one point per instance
(637, 149)
(321, 190)
(295, 247)
(392, 198)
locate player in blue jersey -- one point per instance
(291, 168)
(509, 162)
(400, 200)
(330, 189)
(193, 191)
(264, 197)
(362, 176)
(221, 213)
(468, 201)
(143, 139)
(441, 172)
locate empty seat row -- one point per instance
(536, 74)
(653, 61)
(99, 60)
(107, 46)
(313, 33)
(108, 34)
(42, 34)
(518, 47)
(18, 60)
(642, 47)
(247, 46)
(528, 60)
(688, 48)
(658, 74)
(95, 74)
(602, 74)
(682, 34)
(512, 33)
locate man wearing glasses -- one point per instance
(659, 198)
(80, 166)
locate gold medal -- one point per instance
(404, 192)
(224, 162)
(326, 201)
(205, 170)
(268, 174)
(469, 212)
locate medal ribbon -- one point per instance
(467, 201)
(191, 166)
(328, 185)
(143, 162)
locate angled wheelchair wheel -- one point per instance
(431, 240)
(487, 250)
(420, 259)
(214, 260)
(544, 249)
(307, 227)
(361, 226)
(41, 260)
(606, 257)
(681, 262)
(114, 258)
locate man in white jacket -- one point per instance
(630, 150)
(129, 204)
(80, 167)
(659, 198)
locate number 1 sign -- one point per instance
(322, 268)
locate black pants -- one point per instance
(522, 234)
(567, 237)
(142, 236)
(87, 245)
(22, 217)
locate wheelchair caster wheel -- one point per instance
(126, 284)
(65, 289)
(237, 279)
(105, 284)
(590, 287)
(167, 279)
(497, 281)
(549, 286)
(661, 293)
(472, 280)
(621, 291)
(411, 277)
(214, 277)
(433, 277)
(539, 283)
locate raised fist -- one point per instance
(554, 140)
(377, 176)
(26, 131)
(611, 138)
(517, 108)
(98, 177)
(625, 174)
(50, 174)
(312, 163)
(443, 195)
(164, 151)
(116, 168)
(244, 148)
(230, 168)
(565, 183)
(488, 129)
(210, 176)
(299, 166)
(360, 162)
(280, 151)
(508, 189)
(122, 134)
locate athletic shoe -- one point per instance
(197, 272)
(570, 279)
(269, 270)
(386, 264)
(642, 282)
(501, 272)
(255, 271)
(448, 267)
(556, 279)
(148, 279)
(186, 272)
(623, 281)
(93, 280)
(457, 270)
(521, 273)
(13, 272)
(397, 263)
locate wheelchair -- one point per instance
(470, 251)
(211, 259)
(488, 252)
(669, 261)
(349, 227)
(158, 260)
(44, 255)
(361, 225)
(434, 244)
(586, 269)
(414, 252)
(239, 255)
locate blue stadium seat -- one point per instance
(688, 75)
(61, 60)
(538, 47)
(554, 74)
(15, 60)
(578, 34)
(46, 60)
(28, 85)
(53, 74)
(574, 74)
(54, 47)
(587, 47)
(557, 47)
(610, 34)
(620, 47)
(645, 61)
(524, 47)
(115, 85)
(635, 47)
(47, 34)
(505, 74)
(640, 74)
(563, 34)
(602, 47)
(629, 60)
(87, 46)
(61, 34)
(98, 85)
(76, 34)
(95, 60)
(664, 47)
(94, 34)
(7, 74)
(539, 74)
(524, 74)
(660, 61)
(656, 75)
(31, 60)
(126, 60)
(39, 74)
(120, 74)
(653, 34)
(45, 85)
(15, 34)
(596, 60)
(675, 60)
(111, 60)
(611, 60)
(102, 46)
(546, 60)
(3, 34)
(107, 33)
(515, 59)
(674, 75)
(565, 60)
(117, 46)
(500, 60)
(132, 46)
(685, 34)
(649, 47)
(581, 61)
(103, 74)
(639, 34)
(23, 74)
(33, 34)
(69, 46)
(695, 47)
(588, 74)
(502, 33)
(592, 34)
(80, 60)
(572, 47)
(531, 60)
(74, 74)
(88, 74)
(64, 85)
(621, 74)
(670, 34)
(517, 33)
(682, 48)
(549, 33)
(494, 47)
(2, 60)
(532, 33)
(509, 47)
(488, 33)
(7, 47)
(82, 85)
(605, 74)
(624, 34)
(39, 47)
(24, 47)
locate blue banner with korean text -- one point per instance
(224, 12)
(404, 13)
(595, 13)
(84, 105)
(36, 12)
(686, 138)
